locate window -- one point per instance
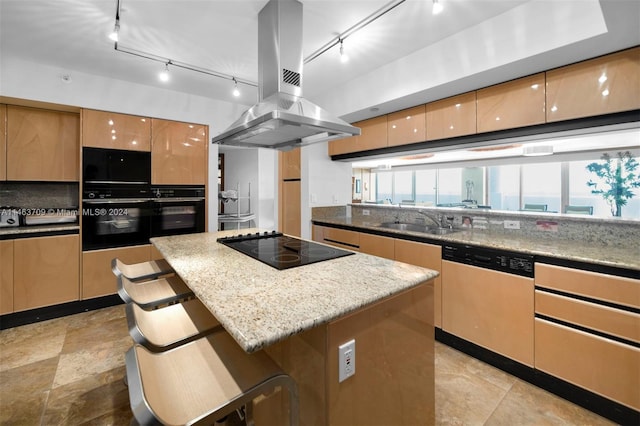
(508, 187)
(402, 186)
(426, 187)
(541, 185)
(450, 186)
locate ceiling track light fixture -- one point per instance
(235, 92)
(164, 74)
(116, 28)
(343, 56)
(357, 27)
(437, 7)
(333, 42)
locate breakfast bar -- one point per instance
(301, 315)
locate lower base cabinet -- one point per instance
(6, 277)
(428, 256)
(587, 331)
(46, 271)
(97, 278)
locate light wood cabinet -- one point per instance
(428, 256)
(594, 285)
(586, 333)
(599, 86)
(406, 126)
(397, 328)
(516, 103)
(373, 135)
(603, 366)
(46, 271)
(451, 117)
(6, 277)
(497, 315)
(103, 129)
(337, 237)
(97, 277)
(290, 164)
(42, 145)
(291, 208)
(3, 142)
(377, 245)
(179, 153)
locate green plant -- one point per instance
(618, 178)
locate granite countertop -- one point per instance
(18, 231)
(260, 305)
(620, 257)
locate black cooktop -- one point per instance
(281, 251)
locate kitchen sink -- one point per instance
(416, 227)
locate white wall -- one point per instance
(256, 168)
(324, 182)
(27, 80)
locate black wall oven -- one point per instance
(116, 200)
(177, 210)
(115, 217)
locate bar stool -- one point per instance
(171, 326)
(202, 381)
(141, 271)
(151, 294)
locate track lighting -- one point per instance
(164, 75)
(235, 92)
(437, 7)
(343, 56)
(116, 29)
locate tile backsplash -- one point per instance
(545, 226)
(38, 195)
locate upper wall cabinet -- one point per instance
(42, 145)
(290, 164)
(451, 117)
(3, 142)
(599, 86)
(179, 153)
(406, 126)
(512, 104)
(102, 129)
(373, 135)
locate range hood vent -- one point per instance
(282, 119)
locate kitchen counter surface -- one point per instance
(260, 305)
(38, 230)
(619, 257)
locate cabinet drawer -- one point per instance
(604, 319)
(620, 290)
(341, 238)
(603, 366)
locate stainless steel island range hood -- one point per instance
(282, 119)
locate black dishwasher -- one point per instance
(498, 260)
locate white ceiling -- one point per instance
(221, 36)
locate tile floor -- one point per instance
(68, 371)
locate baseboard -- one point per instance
(56, 311)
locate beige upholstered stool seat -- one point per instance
(171, 326)
(141, 271)
(155, 293)
(201, 381)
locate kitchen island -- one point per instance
(301, 315)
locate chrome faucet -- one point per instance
(437, 220)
